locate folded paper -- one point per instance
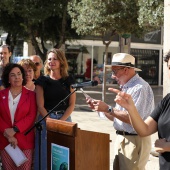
(16, 155)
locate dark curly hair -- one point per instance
(7, 69)
(167, 57)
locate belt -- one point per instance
(125, 133)
(57, 112)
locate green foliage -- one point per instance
(50, 19)
(96, 17)
(125, 16)
(151, 13)
(32, 10)
(32, 19)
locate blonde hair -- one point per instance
(63, 62)
(28, 63)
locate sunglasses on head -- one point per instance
(37, 63)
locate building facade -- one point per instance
(148, 52)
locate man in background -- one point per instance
(5, 54)
(39, 64)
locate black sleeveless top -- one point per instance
(55, 91)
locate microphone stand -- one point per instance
(38, 124)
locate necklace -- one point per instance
(15, 94)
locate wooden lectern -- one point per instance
(88, 150)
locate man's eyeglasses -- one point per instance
(37, 63)
(114, 72)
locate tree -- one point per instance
(107, 17)
(36, 20)
(151, 14)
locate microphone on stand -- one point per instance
(84, 84)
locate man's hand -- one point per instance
(90, 102)
(97, 105)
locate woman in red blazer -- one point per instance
(17, 115)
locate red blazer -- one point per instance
(24, 118)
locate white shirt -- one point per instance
(13, 103)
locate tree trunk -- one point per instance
(124, 44)
(105, 62)
(104, 73)
(36, 46)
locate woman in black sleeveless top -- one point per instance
(50, 90)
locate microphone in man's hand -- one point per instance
(84, 84)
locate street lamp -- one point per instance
(4, 37)
(126, 36)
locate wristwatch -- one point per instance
(15, 129)
(110, 109)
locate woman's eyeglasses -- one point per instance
(37, 63)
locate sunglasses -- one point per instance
(37, 63)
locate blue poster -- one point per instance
(59, 157)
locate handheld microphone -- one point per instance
(84, 84)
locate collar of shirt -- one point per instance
(130, 82)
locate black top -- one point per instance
(55, 91)
(161, 115)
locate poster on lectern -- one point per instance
(59, 157)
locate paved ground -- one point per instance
(90, 121)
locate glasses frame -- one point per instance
(115, 71)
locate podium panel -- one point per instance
(88, 150)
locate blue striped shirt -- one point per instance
(143, 98)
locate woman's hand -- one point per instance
(161, 146)
(9, 132)
(13, 141)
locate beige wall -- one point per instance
(101, 50)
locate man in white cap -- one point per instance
(131, 151)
